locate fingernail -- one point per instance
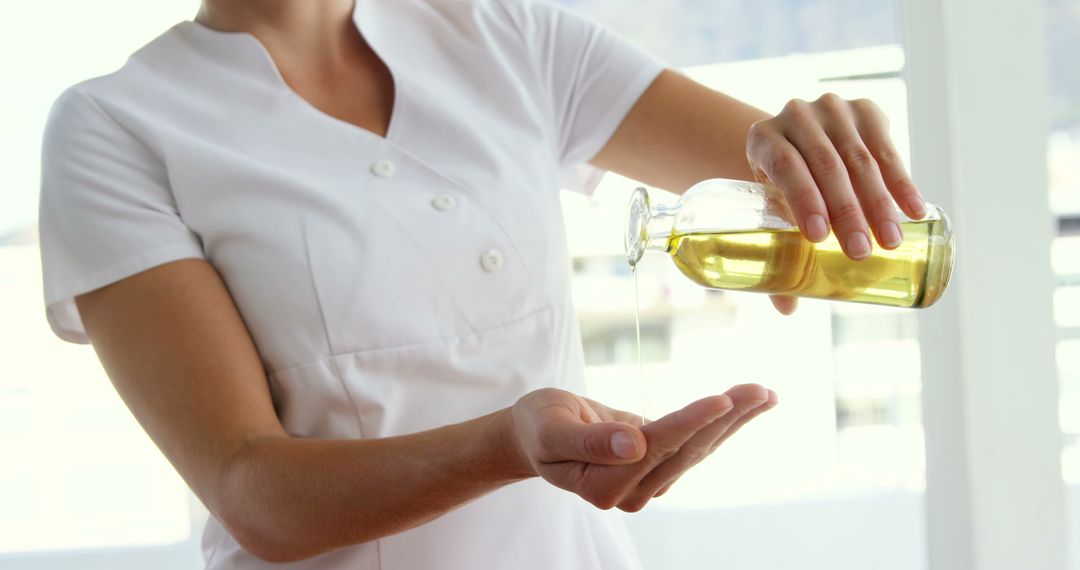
(816, 228)
(623, 445)
(916, 204)
(890, 234)
(858, 246)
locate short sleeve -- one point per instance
(106, 209)
(593, 77)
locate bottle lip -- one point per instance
(639, 213)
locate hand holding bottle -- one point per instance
(838, 169)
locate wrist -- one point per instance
(509, 452)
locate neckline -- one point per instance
(267, 61)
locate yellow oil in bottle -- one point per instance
(783, 262)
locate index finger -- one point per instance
(666, 435)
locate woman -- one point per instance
(318, 248)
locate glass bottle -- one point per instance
(729, 234)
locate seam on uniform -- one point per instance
(93, 102)
(348, 394)
(167, 181)
(411, 346)
(326, 329)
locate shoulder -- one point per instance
(86, 103)
(77, 123)
(167, 46)
(93, 127)
(166, 85)
(79, 130)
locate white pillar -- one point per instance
(976, 80)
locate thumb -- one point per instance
(605, 443)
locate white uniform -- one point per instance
(392, 284)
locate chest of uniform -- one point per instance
(361, 238)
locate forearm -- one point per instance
(679, 133)
(180, 356)
(292, 498)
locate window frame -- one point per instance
(966, 63)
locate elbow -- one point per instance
(262, 538)
(263, 512)
(277, 539)
(263, 527)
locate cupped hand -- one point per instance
(608, 458)
(838, 169)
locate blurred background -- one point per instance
(836, 477)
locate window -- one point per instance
(1062, 18)
(79, 475)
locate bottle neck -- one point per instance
(660, 226)
(648, 226)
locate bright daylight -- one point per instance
(534, 284)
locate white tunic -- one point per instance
(391, 284)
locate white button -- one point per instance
(491, 261)
(443, 203)
(383, 168)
